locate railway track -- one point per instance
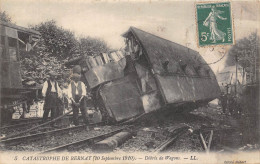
(17, 127)
(31, 120)
(174, 137)
(77, 138)
(42, 135)
(88, 141)
(21, 125)
(59, 138)
(36, 128)
(44, 141)
(25, 124)
(160, 132)
(25, 120)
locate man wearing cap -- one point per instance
(76, 93)
(51, 91)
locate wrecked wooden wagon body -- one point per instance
(149, 74)
(14, 40)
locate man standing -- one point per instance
(223, 100)
(76, 93)
(51, 91)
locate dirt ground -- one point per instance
(230, 133)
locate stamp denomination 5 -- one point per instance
(214, 23)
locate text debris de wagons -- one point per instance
(150, 73)
(14, 39)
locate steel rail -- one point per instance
(174, 136)
(18, 125)
(26, 138)
(83, 142)
(33, 128)
(25, 120)
(30, 120)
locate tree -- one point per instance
(56, 45)
(247, 52)
(5, 17)
(92, 46)
(55, 41)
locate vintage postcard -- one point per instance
(109, 81)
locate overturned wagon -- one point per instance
(149, 74)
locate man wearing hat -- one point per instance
(51, 91)
(76, 93)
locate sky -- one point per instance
(172, 20)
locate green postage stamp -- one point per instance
(214, 23)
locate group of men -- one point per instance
(230, 103)
(53, 95)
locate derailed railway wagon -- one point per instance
(14, 39)
(151, 74)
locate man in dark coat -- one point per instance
(223, 100)
(77, 93)
(231, 104)
(51, 91)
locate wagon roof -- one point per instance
(19, 28)
(160, 50)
